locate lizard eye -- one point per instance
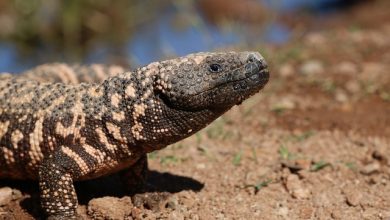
(215, 68)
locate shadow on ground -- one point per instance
(102, 187)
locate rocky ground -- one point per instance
(314, 145)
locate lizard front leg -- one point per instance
(56, 174)
(134, 177)
(143, 194)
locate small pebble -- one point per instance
(346, 67)
(296, 188)
(5, 196)
(286, 70)
(312, 67)
(371, 168)
(353, 198)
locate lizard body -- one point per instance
(70, 74)
(58, 131)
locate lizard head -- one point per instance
(211, 80)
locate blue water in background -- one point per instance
(160, 38)
(317, 6)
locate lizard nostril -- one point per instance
(253, 57)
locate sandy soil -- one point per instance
(314, 145)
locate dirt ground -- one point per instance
(315, 144)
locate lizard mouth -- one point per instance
(254, 79)
(252, 82)
(255, 74)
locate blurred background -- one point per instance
(136, 32)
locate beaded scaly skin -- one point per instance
(60, 123)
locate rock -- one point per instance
(353, 86)
(353, 197)
(283, 212)
(341, 96)
(5, 196)
(346, 67)
(136, 213)
(175, 215)
(286, 70)
(305, 174)
(297, 165)
(110, 208)
(16, 194)
(173, 203)
(201, 166)
(155, 201)
(220, 216)
(336, 214)
(312, 67)
(296, 188)
(380, 156)
(371, 168)
(284, 103)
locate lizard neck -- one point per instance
(141, 118)
(165, 125)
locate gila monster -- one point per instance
(57, 129)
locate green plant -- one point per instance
(284, 153)
(260, 185)
(169, 159)
(319, 166)
(237, 158)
